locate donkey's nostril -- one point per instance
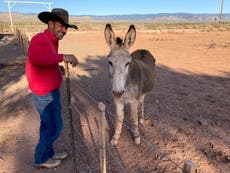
(118, 93)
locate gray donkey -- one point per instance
(132, 77)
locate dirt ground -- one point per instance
(186, 115)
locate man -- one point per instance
(44, 79)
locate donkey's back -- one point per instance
(146, 67)
(145, 56)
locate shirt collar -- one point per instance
(51, 36)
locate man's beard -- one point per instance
(60, 35)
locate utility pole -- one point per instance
(222, 5)
(11, 22)
(46, 4)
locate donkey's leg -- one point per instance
(134, 120)
(141, 109)
(119, 121)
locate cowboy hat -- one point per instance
(57, 14)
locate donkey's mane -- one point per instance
(119, 41)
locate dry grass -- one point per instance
(5, 27)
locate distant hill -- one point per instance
(160, 18)
(139, 18)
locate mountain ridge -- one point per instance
(140, 18)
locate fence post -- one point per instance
(23, 41)
(102, 145)
(2, 32)
(25, 44)
(189, 166)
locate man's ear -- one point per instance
(50, 24)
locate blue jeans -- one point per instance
(49, 108)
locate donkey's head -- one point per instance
(119, 58)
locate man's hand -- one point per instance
(71, 59)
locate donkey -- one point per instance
(132, 77)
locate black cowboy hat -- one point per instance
(57, 14)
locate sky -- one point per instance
(119, 7)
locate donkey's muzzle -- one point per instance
(118, 93)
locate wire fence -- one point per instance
(23, 41)
(113, 157)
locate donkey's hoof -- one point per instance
(137, 140)
(113, 142)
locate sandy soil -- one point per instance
(187, 114)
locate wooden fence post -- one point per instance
(102, 144)
(23, 41)
(2, 32)
(189, 167)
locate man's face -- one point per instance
(58, 29)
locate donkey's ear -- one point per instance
(109, 35)
(130, 37)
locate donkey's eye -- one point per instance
(110, 63)
(126, 65)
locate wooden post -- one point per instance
(1, 34)
(189, 166)
(26, 45)
(2, 30)
(20, 40)
(23, 44)
(18, 37)
(67, 75)
(102, 145)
